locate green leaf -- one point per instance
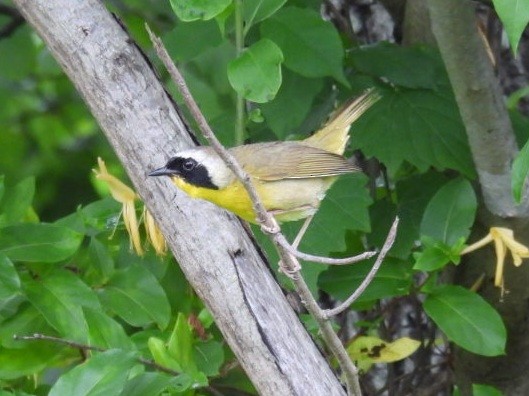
(223, 17)
(2, 187)
(101, 265)
(38, 242)
(192, 10)
(207, 79)
(22, 358)
(9, 280)
(256, 73)
(27, 360)
(514, 14)
(413, 195)
(436, 254)
(450, 213)
(431, 259)
(392, 279)
(60, 297)
(467, 320)
(104, 374)
(17, 201)
(310, 45)
(28, 320)
(257, 10)
(153, 384)
(105, 332)
(10, 291)
(137, 297)
(161, 355)
(485, 390)
(180, 344)
(179, 354)
(520, 169)
(292, 103)
(209, 356)
(422, 127)
(411, 67)
(93, 219)
(188, 40)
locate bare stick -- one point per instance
(84, 347)
(281, 240)
(302, 232)
(369, 277)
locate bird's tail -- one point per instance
(334, 135)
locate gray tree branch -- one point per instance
(480, 101)
(216, 254)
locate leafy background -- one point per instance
(66, 267)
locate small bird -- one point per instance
(290, 177)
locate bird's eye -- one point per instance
(189, 165)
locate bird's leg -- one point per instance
(302, 231)
(290, 272)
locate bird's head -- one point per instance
(200, 167)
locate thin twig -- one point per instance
(369, 277)
(280, 238)
(84, 347)
(239, 46)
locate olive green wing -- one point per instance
(290, 160)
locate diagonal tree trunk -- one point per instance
(217, 255)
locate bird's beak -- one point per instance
(163, 171)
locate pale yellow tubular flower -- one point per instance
(503, 240)
(518, 251)
(126, 196)
(477, 245)
(154, 235)
(499, 246)
(131, 224)
(119, 190)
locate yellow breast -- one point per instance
(288, 199)
(233, 198)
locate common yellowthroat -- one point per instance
(290, 177)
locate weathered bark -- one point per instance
(493, 147)
(215, 252)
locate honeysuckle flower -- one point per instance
(126, 196)
(154, 235)
(503, 239)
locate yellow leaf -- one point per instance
(375, 350)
